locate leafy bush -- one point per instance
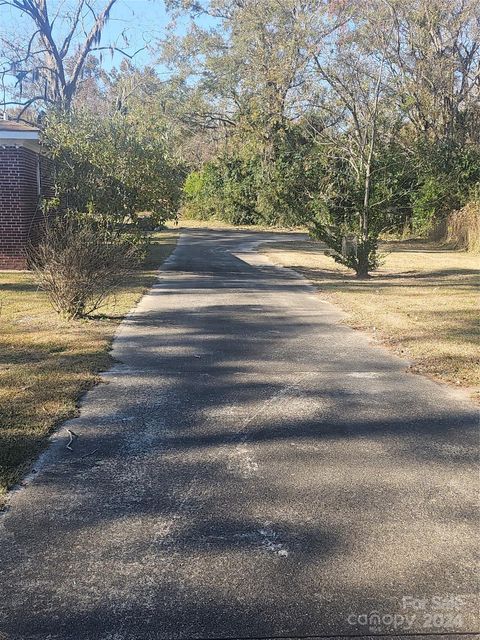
(224, 189)
(339, 206)
(113, 166)
(242, 188)
(413, 187)
(79, 264)
(197, 201)
(288, 185)
(239, 194)
(447, 178)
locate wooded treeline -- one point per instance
(353, 119)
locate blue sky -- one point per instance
(143, 20)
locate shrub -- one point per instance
(243, 188)
(201, 191)
(448, 176)
(427, 201)
(288, 185)
(113, 165)
(224, 189)
(79, 264)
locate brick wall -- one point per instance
(19, 201)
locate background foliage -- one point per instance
(352, 119)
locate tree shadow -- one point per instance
(18, 287)
(248, 469)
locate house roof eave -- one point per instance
(29, 143)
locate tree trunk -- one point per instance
(361, 267)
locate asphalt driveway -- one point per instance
(251, 468)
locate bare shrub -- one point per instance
(79, 265)
(463, 228)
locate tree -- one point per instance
(377, 101)
(434, 58)
(358, 95)
(434, 55)
(47, 67)
(250, 61)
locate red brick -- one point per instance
(20, 213)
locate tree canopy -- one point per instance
(352, 119)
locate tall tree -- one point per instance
(251, 60)
(434, 54)
(47, 67)
(356, 118)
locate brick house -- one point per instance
(23, 183)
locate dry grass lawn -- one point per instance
(423, 303)
(46, 363)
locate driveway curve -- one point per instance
(251, 468)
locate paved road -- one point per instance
(251, 468)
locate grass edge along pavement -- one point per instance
(47, 363)
(422, 303)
